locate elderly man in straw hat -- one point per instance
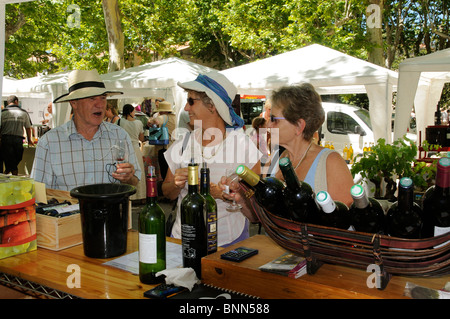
(220, 142)
(80, 152)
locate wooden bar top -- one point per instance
(330, 281)
(49, 268)
(98, 281)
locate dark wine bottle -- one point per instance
(210, 211)
(269, 191)
(436, 200)
(366, 213)
(152, 239)
(193, 224)
(437, 116)
(299, 196)
(333, 213)
(56, 208)
(404, 218)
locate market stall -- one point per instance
(330, 71)
(420, 84)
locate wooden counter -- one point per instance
(330, 281)
(49, 268)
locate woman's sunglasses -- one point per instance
(274, 118)
(191, 100)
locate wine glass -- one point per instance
(119, 152)
(232, 177)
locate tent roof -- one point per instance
(36, 86)
(159, 74)
(434, 66)
(321, 66)
(135, 81)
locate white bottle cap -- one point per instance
(326, 202)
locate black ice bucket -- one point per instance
(104, 218)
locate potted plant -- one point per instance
(386, 163)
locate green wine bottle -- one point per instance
(211, 210)
(152, 239)
(193, 224)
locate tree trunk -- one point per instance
(374, 31)
(115, 35)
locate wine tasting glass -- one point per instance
(120, 155)
(119, 151)
(231, 178)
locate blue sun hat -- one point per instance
(221, 91)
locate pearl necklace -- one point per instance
(303, 157)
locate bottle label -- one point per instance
(147, 248)
(188, 236)
(211, 223)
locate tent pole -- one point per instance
(2, 43)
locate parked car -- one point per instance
(346, 124)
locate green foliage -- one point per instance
(387, 162)
(224, 32)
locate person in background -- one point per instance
(135, 130)
(184, 123)
(112, 115)
(297, 115)
(259, 137)
(48, 116)
(80, 152)
(219, 141)
(164, 115)
(13, 122)
(266, 113)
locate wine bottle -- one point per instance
(436, 200)
(152, 240)
(269, 191)
(62, 209)
(210, 211)
(333, 213)
(404, 217)
(437, 116)
(299, 196)
(366, 213)
(193, 225)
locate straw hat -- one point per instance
(83, 84)
(218, 88)
(164, 106)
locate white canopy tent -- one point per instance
(421, 81)
(41, 89)
(155, 79)
(158, 79)
(330, 71)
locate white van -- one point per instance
(346, 124)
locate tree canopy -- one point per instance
(55, 35)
